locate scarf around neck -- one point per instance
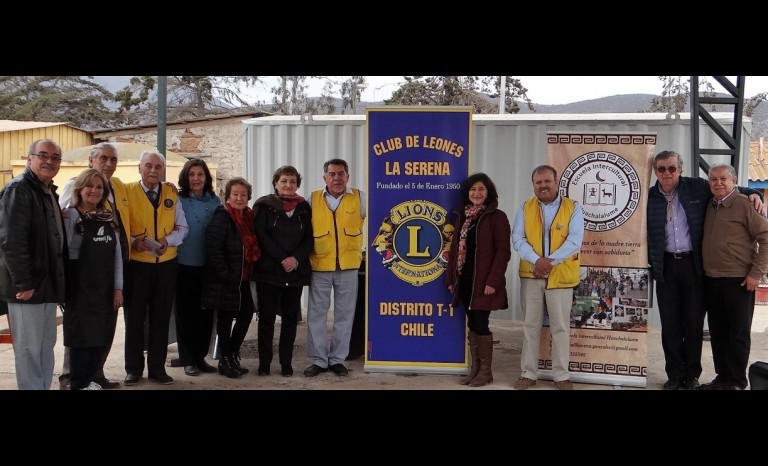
(471, 212)
(290, 203)
(244, 224)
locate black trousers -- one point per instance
(83, 362)
(149, 291)
(477, 321)
(287, 300)
(231, 337)
(193, 323)
(731, 308)
(681, 308)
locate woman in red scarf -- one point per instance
(231, 249)
(477, 265)
(284, 229)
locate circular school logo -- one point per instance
(607, 187)
(414, 240)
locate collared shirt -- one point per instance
(572, 244)
(676, 234)
(333, 202)
(181, 228)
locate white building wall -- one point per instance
(506, 147)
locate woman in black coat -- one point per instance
(477, 264)
(284, 229)
(231, 248)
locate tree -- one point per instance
(675, 94)
(290, 95)
(188, 96)
(351, 91)
(73, 99)
(477, 92)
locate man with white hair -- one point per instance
(103, 157)
(157, 225)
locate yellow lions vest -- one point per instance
(145, 220)
(121, 203)
(565, 274)
(338, 235)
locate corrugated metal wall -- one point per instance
(15, 144)
(507, 147)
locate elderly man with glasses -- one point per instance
(32, 251)
(675, 214)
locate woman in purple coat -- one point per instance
(476, 269)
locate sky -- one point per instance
(550, 90)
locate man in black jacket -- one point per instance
(676, 207)
(32, 251)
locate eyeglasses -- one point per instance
(671, 169)
(44, 156)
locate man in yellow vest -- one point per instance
(547, 235)
(103, 158)
(338, 214)
(157, 226)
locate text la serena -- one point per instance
(418, 141)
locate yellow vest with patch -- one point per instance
(145, 220)
(338, 235)
(566, 273)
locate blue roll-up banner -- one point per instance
(417, 159)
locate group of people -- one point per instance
(142, 246)
(706, 250)
(707, 253)
(548, 269)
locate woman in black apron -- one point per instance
(94, 277)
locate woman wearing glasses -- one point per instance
(675, 214)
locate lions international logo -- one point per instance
(606, 185)
(414, 240)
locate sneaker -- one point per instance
(92, 386)
(314, 370)
(339, 369)
(523, 383)
(564, 385)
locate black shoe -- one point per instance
(242, 370)
(287, 371)
(205, 367)
(107, 384)
(176, 362)
(191, 370)
(691, 384)
(340, 369)
(672, 384)
(353, 356)
(263, 370)
(131, 379)
(718, 383)
(314, 370)
(162, 379)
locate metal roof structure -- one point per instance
(13, 125)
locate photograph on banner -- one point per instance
(609, 175)
(417, 160)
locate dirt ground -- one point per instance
(506, 366)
